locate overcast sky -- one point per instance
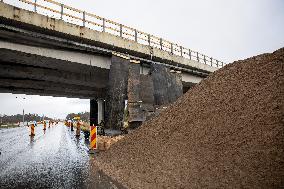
(227, 30)
(53, 107)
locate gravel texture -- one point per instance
(105, 142)
(226, 132)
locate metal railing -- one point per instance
(98, 23)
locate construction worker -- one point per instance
(78, 130)
(72, 126)
(44, 125)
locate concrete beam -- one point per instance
(186, 76)
(189, 78)
(70, 56)
(30, 38)
(12, 70)
(41, 92)
(33, 85)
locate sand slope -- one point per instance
(227, 132)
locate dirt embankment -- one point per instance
(227, 132)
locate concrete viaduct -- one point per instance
(43, 55)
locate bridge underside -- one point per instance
(33, 74)
(40, 64)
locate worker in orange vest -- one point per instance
(44, 125)
(78, 129)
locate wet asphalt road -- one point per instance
(54, 159)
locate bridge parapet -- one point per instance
(109, 32)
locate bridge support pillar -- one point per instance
(93, 112)
(136, 116)
(101, 110)
(117, 91)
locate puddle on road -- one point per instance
(55, 159)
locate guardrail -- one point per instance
(98, 23)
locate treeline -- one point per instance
(84, 116)
(19, 118)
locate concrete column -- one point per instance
(117, 91)
(136, 116)
(93, 112)
(101, 110)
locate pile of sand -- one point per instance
(227, 132)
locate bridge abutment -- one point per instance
(167, 85)
(144, 93)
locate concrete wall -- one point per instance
(167, 86)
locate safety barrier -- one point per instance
(98, 23)
(93, 138)
(44, 125)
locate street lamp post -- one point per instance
(23, 113)
(23, 117)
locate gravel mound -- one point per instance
(227, 132)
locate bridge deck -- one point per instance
(177, 55)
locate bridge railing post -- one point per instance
(145, 38)
(104, 24)
(84, 18)
(35, 6)
(120, 30)
(135, 35)
(197, 56)
(149, 39)
(61, 12)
